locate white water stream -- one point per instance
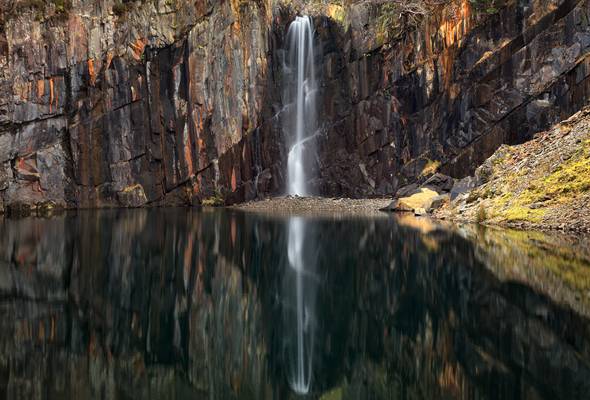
(300, 97)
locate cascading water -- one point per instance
(300, 99)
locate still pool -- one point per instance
(222, 304)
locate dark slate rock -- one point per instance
(440, 183)
(407, 190)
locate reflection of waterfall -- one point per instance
(300, 91)
(300, 285)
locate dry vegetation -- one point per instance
(10, 9)
(544, 182)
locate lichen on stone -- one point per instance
(541, 182)
(430, 168)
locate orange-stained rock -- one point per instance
(234, 184)
(40, 88)
(187, 99)
(91, 71)
(138, 47)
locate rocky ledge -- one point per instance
(541, 184)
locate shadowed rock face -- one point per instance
(174, 102)
(452, 91)
(176, 304)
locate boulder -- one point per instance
(439, 201)
(420, 200)
(407, 190)
(46, 208)
(440, 183)
(132, 196)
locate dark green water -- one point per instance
(181, 304)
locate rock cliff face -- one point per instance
(448, 94)
(152, 105)
(173, 102)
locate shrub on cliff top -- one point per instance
(40, 7)
(399, 16)
(486, 6)
(120, 9)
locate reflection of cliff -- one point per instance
(438, 324)
(178, 304)
(127, 305)
(556, 264)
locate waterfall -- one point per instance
(299, 127)
(300, 294)
(300, 90)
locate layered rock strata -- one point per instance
(175, 102)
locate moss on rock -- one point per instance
(542, 182)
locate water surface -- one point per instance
(187, 304)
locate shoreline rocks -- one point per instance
(542, 184)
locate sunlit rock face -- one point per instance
(162, 103)
(172, 102)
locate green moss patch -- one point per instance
(519, 200)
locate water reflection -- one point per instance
(300, 287)
(181, 304)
